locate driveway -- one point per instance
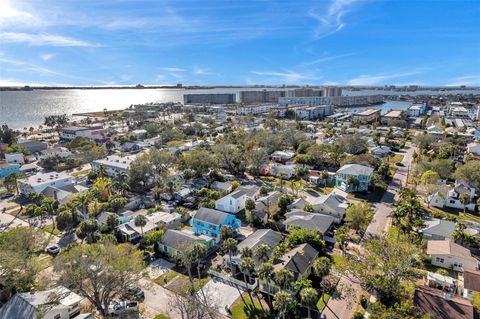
(343, 306)
(223, 295)
(8, 221)
(158, 267)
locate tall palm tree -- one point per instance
(265, 273)
(81, 200)
(283, 278)
(321, 266)
(103, 187)
(200, 253)
(309, 297)
(246, 267)
(246, 252)
(230, 246)
(140, 221)
(283, 303)
(50, 206)
(465, 200)
(261, 252)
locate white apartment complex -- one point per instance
(113, 164)
(38, 182)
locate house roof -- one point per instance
(439, 306)
(297, 260)
(355, 169)
(448, 247)
(25, 305)
(178, 239)
(262, 236)
(313, 221)
(439, 227)
(223, 186)
(471, 279)
(333, 201)
(211, 216)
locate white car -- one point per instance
(118, 308)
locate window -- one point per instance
(459, 265)
(452, 201)
(439, 260)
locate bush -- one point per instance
(364, 301)
(358, 315)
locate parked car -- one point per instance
(399, 164)
(6, 195)
(53, 250)
(135, 293)
(118, 308)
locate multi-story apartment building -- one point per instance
(96, 133)
(113, 164)
(265, 96)
(37, 183)
(220, 98)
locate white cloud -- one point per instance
(470, 80)
(380, 78)
(326, 59)
(331, 21)
(43, 39)
(12, 16)
(287, 76)
(172, 69)
(200, 71)
(13, 82)
(47, 56)
(24, 66)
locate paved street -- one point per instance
(341, 308)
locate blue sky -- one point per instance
(345, 42)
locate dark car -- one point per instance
(6, 195)
(399, 164)
(136, 294)
(53, 250)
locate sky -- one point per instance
(154, 42)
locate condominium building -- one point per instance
(366, 116)
(220, 98)
(113, 164)
(96, 133)
(37, 183)
(265, 96)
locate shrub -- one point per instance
(358, 315)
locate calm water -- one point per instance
(21, 109)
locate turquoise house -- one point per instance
(7, 169)
(353, 178)
(209, 222)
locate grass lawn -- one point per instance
(453, 214)
(322, 301)
(162, 280)
(161, 317)
(251, 309)
(44, 261)
(338, 260)
(181, 285)
(186, 227)
(49, 229)
(84, 172)
(395, 158)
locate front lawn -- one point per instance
(162, 280)
(249, 309)
(49, 229)
(322, 301)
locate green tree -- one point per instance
(230, 246)
(246, 252)
(465, 200)
(100, 272)
(283, 303)
(309, 297)
(341, 237)
(11, 182)
(358, 216)
(88, 231)
(261, 252)
(321, 266)
(298, 236)
(265, 273)
(283, 278)
(140, 221)
(408, 211)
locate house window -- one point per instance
(439, 260)
(457, 265)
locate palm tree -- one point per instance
(246, 252)
(261, 252)
(101, 171)
(283, 278)
(465, 200)
(309, 297)
(50, 205)
(103, 187)
(230, 246)
(246, 267)
(283, 303)
(301, 284)
(265, 273)
(200, 253)
(119, 183)
(81, 200)
(140, 221)
(321, 266)
(341, 237)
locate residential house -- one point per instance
(367, 116)
(438, 281)
(56, 303)
(393, 116)
(7, 169)
(38, 182)
(282, 156)
(353, 178)
(62, 193)
(207, 221)
(437, 229)
(298, 203)
(33, 146)
(381, 151)
(129, 232)
(298, 261)
(313, 221)
(165, 220)
(331, 204)
(222, 187)
(452, 198)
(473, 148)
(174, 241)
(434, 129)
(53, 152)
(113, 164)
(417, 109)
(438, 304)
(283, 171)
(316, 177)
(447, 254)
(267, 237)
(14, 158)
(471, 283)
(235, 201)
(264, 205)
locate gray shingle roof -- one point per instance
(177, 239)
(262, 236)
(312, 221)
(355, 169)
(439, 227)
(211, 216)
(299, 259)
